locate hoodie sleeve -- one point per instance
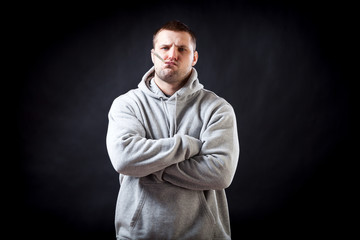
(214, 167)
(131, 153)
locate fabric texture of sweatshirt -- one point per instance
(175, 156)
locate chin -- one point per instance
(168, 76)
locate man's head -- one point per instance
(176, 26)
(176, 44)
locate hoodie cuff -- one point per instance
(192, 146)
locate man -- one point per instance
(175, 146)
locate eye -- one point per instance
(181, 49)
(164, 48)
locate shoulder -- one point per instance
(129, 97)
(126, 100)
(213, 107)
(215, 101)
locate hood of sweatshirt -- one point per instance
(171, 104)
(191, 87)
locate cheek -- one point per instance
(157, 68)
(192, 62)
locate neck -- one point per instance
(169, 88)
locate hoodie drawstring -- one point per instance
(166, 111)
(175, 116)
(166, 114)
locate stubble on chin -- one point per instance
(167, 75)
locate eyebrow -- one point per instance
(179, 46)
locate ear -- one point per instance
(152, 56)
(195, 59)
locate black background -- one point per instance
(283, 66)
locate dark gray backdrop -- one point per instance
(281, 65)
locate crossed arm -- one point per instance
(182, 160)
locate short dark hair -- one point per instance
(176, 26)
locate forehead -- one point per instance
(168, 37)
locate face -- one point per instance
(177, 50)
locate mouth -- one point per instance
(170, 63)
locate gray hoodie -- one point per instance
(175, 156)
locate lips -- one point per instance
(171, 63)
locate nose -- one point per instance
(172, 53)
